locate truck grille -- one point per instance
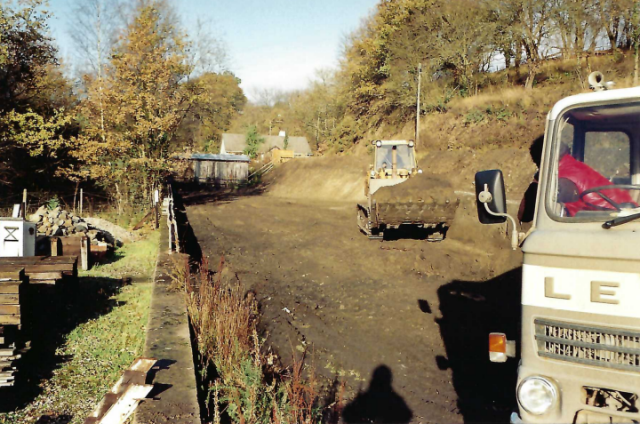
(588, 345)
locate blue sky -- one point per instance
(272, 44)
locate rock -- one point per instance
(38, 215)
(56, 230)
(82, 227)
(35, 217)
(117, 232)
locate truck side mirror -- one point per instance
(490, 192)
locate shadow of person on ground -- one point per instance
(50, 313)
(380, 403)
(470, 311)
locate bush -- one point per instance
(475, 116)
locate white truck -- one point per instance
(579, 345)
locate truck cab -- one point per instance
(579, 345)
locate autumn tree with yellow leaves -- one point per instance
(130, 116)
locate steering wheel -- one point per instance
(598, 191)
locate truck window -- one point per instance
(404, 157)
(594, 175)
(609, 153)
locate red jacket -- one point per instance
(585, 178)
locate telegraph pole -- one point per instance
(418, 104)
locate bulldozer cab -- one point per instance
(394, 159)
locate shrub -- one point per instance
(475, 116)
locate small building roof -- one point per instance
(238, 142)
(220, 158)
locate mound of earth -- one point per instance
(424, 198)
(333, 178)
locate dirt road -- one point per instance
(404, 322)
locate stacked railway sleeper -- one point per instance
(25, 285)
(11, 284)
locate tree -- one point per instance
(33, 96)
(219, 102)
(145, 99)
(208, 53)
(254, 140)
(93, 28)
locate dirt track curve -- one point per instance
(405, 322)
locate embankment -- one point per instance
(328, 178)
(335, 179)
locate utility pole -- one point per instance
(418, 104)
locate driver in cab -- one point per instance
(575, 177)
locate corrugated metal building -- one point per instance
(217, 169)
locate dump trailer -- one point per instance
(578, 347)
(400, 195)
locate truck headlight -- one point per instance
(537, 395)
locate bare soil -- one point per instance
(404, 322)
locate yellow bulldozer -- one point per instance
(400, 196)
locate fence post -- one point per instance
(24, 203)
(156, 201)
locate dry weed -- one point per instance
(179, 272)
(248, 386)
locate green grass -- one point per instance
(101, 336)
(131, 260)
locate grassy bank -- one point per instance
(100, 333)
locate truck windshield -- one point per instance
(595, 167)
(405, 160)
